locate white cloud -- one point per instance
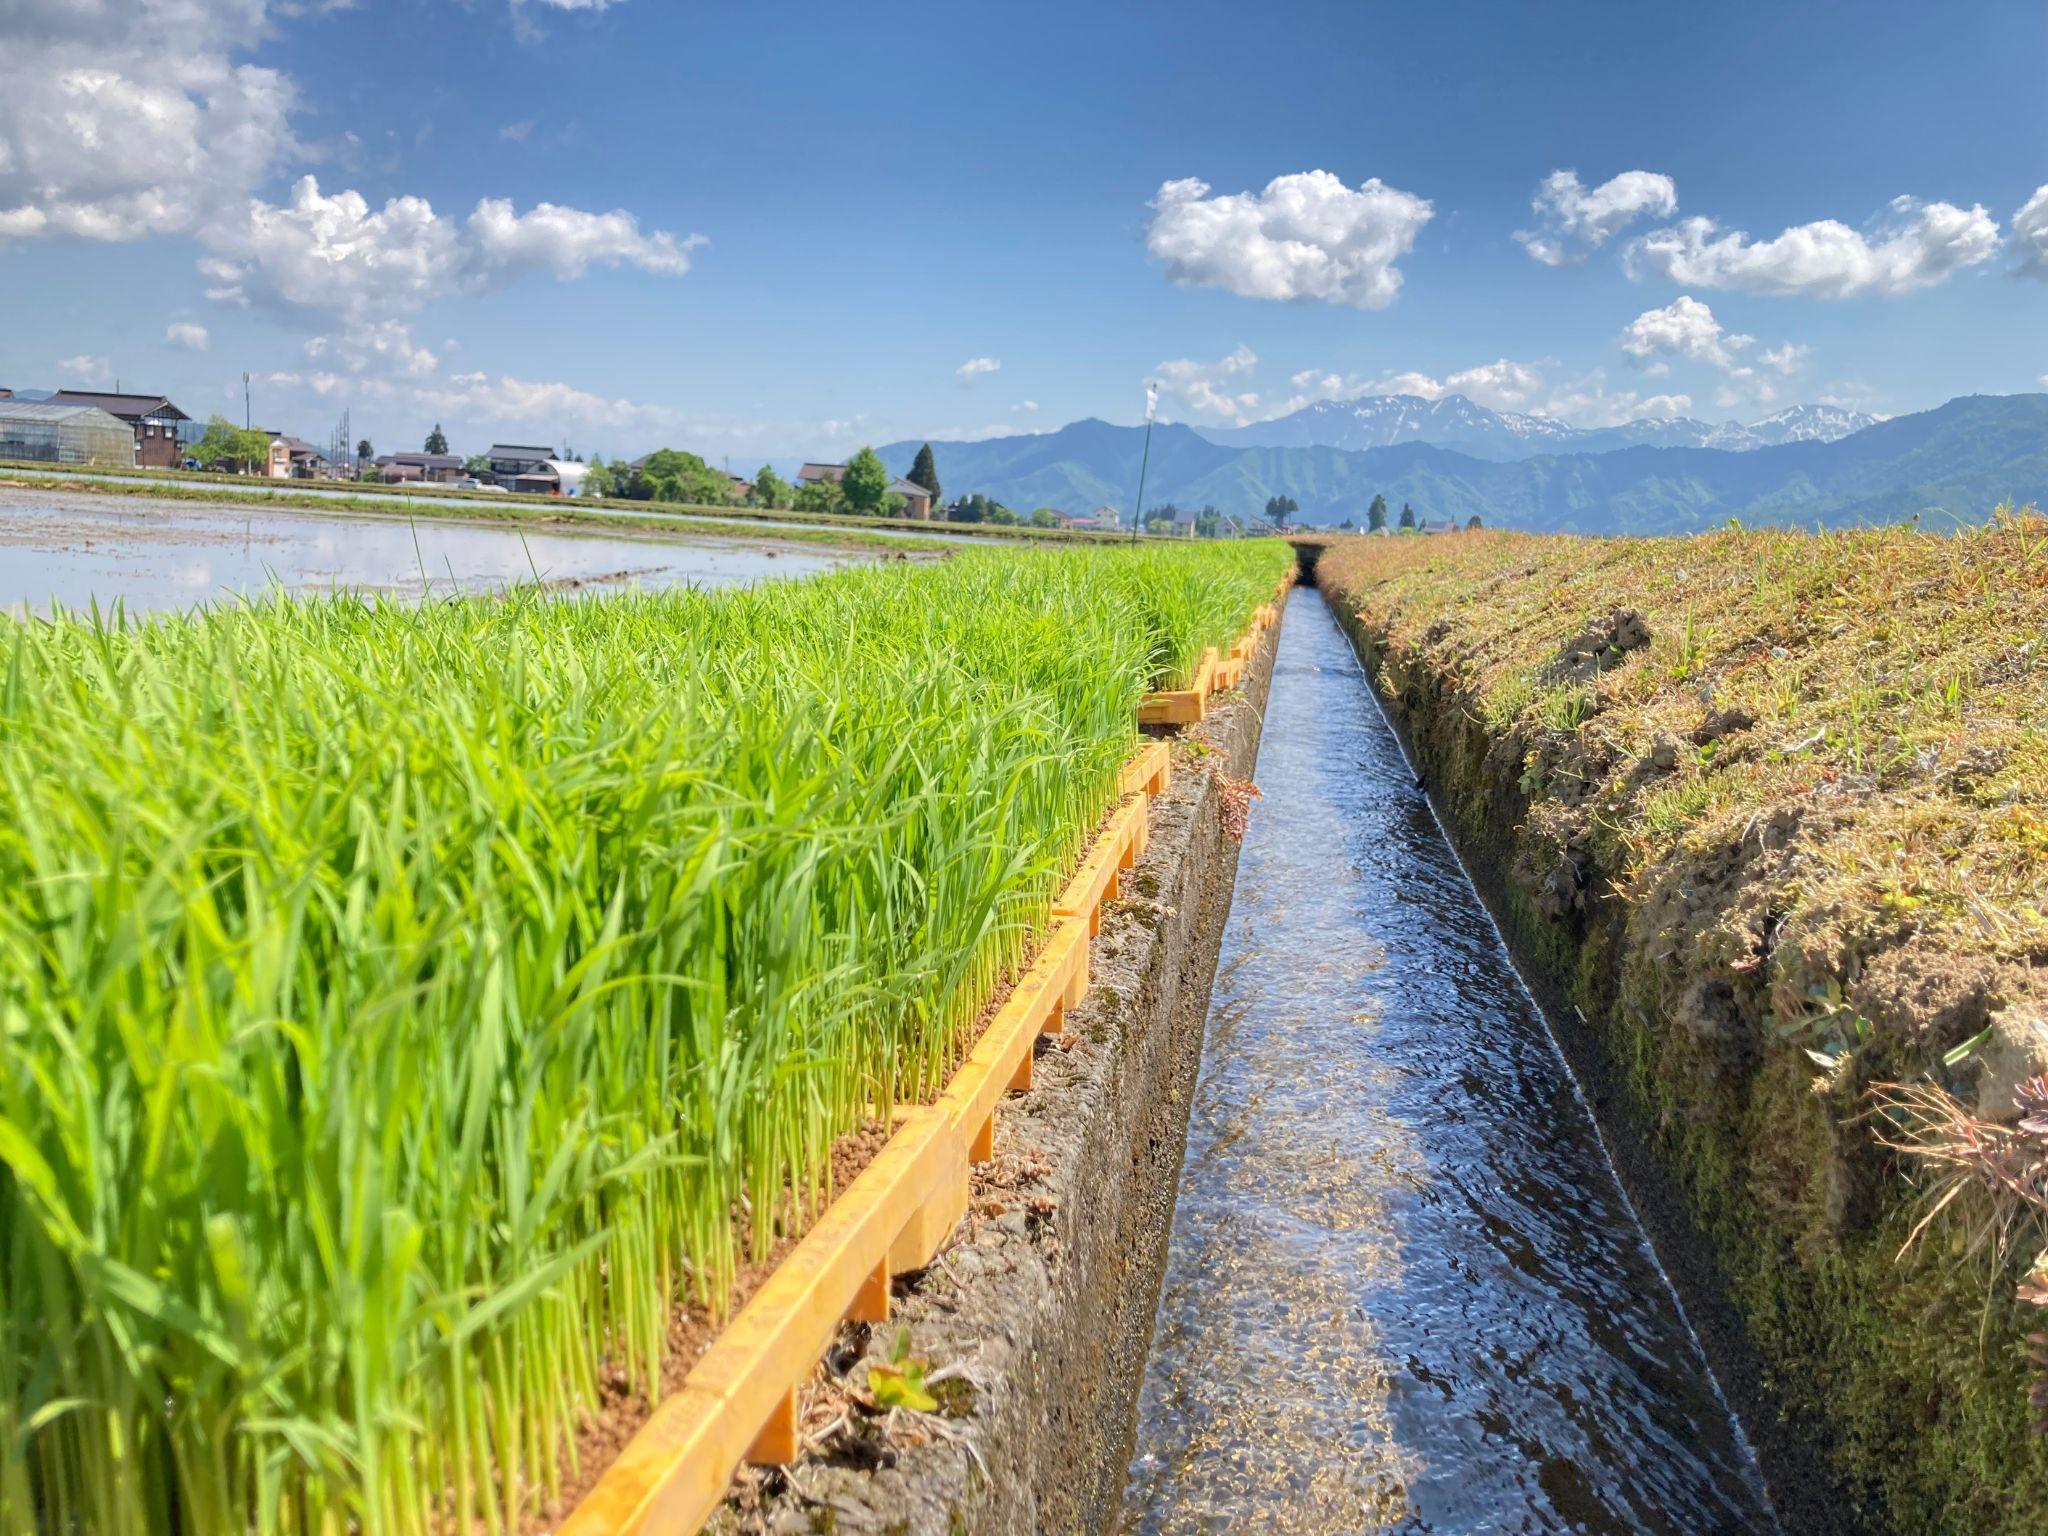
(1587, 402)
(568, 241)
(85, 369)
(184, 333)
(1790, 358)
(1026, 405)
(1683, 328)
(1204, 390)
(517, 133)
(378, 348)
(2030, 235)
(336, 253)
(1572, 220)
(123, 121)
(1501, 385)
(1686, 330)
(1915, 246)
(976, 368)
(1305, 237)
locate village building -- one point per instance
(424, 468)
(161, 429)
(524, 467)
(917, 501)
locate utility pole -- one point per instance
(248, 418)
(1144, 459)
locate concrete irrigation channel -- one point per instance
(1329, 1241)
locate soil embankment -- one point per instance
(1765, 813)
(1032, 1325)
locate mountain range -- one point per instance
(1454, 421)
(1957, 461)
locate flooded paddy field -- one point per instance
(1404, 1288)
(68, 550)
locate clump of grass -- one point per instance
(403, 1008)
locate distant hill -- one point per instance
(1382, 421)
(1959, 460)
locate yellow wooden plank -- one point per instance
(739, 1399)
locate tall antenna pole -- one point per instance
(1144, 459)
(248, 419)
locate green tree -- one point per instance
(1472, 522)
(820, 496)
(865, 483)
(364, 451)
(1279, 509)
(477, 464)
(1376, 517)
(1044, 517)
(770, 489)
(602, 480)
(437, 440)
(925, 472)
(672, 475)
(1407, 518)
(226, 446)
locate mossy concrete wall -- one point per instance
(1039, 1314)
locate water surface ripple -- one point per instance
(1404, 1291)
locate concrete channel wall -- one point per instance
(1036, 1320)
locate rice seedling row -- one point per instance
(402, 1009)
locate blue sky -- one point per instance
(786, 230)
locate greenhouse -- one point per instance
(64, 434)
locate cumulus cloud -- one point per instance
(1683, 328)
(1207, 391)
(517, 133)
(2030, 235)
(1501, 385)
(1915, 245)
(976, 368)
(184, 333)
(568, 241)
(1687, 330)
(336, 253)
(1306, 236)
(1572, 220)
(124, 121)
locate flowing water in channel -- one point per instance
(1403, 1290)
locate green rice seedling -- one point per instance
(403, 1009)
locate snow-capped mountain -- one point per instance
(1379, 421)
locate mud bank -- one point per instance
(1882, 1395)
(1033, 1324)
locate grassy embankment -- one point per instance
(404, 1008)
(1772, 810)
(581, 508)
(549, 514)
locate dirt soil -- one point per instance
(1767, 836)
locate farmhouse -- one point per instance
(524, 467)
(429, 468)
(917, 501)
(160, 428)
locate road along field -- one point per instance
(1769, 814)
(408, 1008)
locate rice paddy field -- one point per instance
(404, 1008)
